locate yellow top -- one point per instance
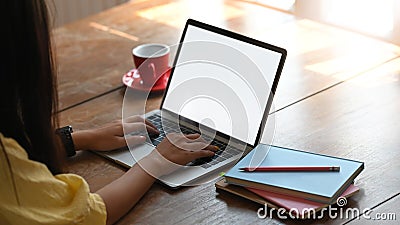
(30, 194)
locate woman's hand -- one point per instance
(174, 151)
(182, 149)
(123, 193)
(111, 135)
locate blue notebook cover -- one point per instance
(317, 186)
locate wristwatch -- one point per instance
(66, 138)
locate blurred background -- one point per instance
(376, 18)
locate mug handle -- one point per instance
(153, 68)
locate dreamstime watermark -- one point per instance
(332, 211)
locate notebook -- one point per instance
(323, 187)
(304, 208)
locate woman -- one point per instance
(33, 189)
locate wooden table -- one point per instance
(338, 95)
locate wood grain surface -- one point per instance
(355, 120)
(338, 95)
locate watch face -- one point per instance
(69, 128)
(64, 129)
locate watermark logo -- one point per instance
(337, 211)
(341, 201)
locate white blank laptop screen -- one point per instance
(222, 82)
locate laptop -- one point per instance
(221, 85)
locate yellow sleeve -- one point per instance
(30, 194)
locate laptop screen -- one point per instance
(223, 80)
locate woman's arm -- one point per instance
(123, 193)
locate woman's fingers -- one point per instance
(199, 146)
(139, 127)
(182, 149)
(211, 148)
(135, 119)
(152, 130)
(196, 138)
(192, 136)
(134, 127)
(150, 124)
(133, 140)
(202, 154)
(191, 142)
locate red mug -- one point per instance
(151, 61)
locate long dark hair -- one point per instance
(27, 81)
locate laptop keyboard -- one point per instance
(166, 127)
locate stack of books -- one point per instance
(300, 182)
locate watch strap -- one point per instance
(66, 138)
